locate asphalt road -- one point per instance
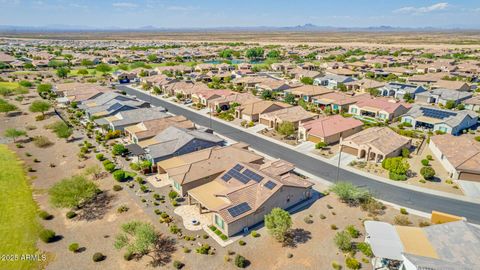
(394, 194)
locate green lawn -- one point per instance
(9, 85)
(19, 225)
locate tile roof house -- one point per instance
(447, 246)
(197, 168)
(203, 97)
(459, 155)
(399, 90)
(379, 108)
(446, 121)
(329, 129)
(452, 85)
(240, 197)
(141, 132)
(363, 85)
(272, 85)
(338, 101)
(131, 117)
(332, 81)
(294, 115)
(250, 111)
(473, 103)
(223, 103)
(175, 141)
(80, 92)
(442, 96)
(6, 58)
(375, 144)
(307, 92)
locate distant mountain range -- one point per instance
(298, 28)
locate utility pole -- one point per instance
(339, 159)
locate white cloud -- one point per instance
(427, 9)
(124, 5)
(181, 8)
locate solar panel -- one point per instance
(239, 209)
(253, 175)
(237, 175)
(226, 177)
(238, 167)
(429, 112)
(270, 185)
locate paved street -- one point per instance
(394, 194)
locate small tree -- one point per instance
(119, 149)
(71, 192)
(40, 106)
(278, 222)
(14, 133)
(286, 128)
(62, 72)
(343, 241)
(405, 152)
(6, 107)
(307, 80)
(290, 99)
(240, 261)
(267, 95)
(104, 68)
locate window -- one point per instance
(219, 221)
(382, 116)
(176, 185)
(354, 110)
(443, 129)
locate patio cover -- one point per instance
(135, 149)
(207, 195)
(384, 240)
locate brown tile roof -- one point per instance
(290, 114)
(383, 139)
(204, 163)
(153, 127)
(461, 151)
(330, 125)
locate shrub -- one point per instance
(119, 175)
(100, 157)
(204, 249)
(42, 141)
(119, 149)
(117, 187)
(352, 263)
(477, 138)
(405, 152)
(429, 157)
(403, 211)
(186, 250)
(320, 145)
(70, 214)
(366, 249)
(45, 215)
(354, 233)
(122, 209)
(98, 257)
(333, 227)
(343, 241)
(128, 256)
(401, 220)
(223, 237)
(240, 261)
(174, 229)
(134, 166)
(308, 220)
(397, 165)
(349, 193)
(47, 236)
(322, 216)
(172, 194)
(255, 234)
(336, 266)
(424, 224)
(425, 162)
(110, 167)
(73, 247)
(242, 243)
(427, 172)
(178, 264)
(397, 177)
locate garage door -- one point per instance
(265, 122)
(475, 177)
(350, 150)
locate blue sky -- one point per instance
(214, 13)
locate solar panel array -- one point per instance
(239, 209)
(244, 177)
(270, 185)
(429, 112)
